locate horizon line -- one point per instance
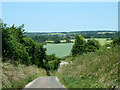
(71, 31)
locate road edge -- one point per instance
(59, 82)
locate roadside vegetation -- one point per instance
(24, 58)
(23, 50)
(97, 69)
(18, 76)
(81, 46)
(21, 53)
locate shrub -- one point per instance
(79, 45)
(57, 40)
(116, 41)
(92, 45)
(68, 40)
(52, 62)
(12, 47)
(21, 49)
(108, 44)
(108, 39)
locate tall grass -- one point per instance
(18, 76)
(92, 70)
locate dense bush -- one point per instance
(116, 41)
(108, 44)
(68, 40)
(81, 46)
(56, 40)
(92, 45)
(24, 50)
(52, 62)
(12, 46)
(35, 50)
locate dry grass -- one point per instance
(19, 76)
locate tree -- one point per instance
(12, 47)
(40, 54)
(68, 40)
(79, 46)
(92, 45)
(35, 50)
(24, 50)
(56, 40)
(52, 62)
(116, 41)
(19, 48)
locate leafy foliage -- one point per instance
(116, 41)
(56, 40)
(12, 44)
(92, 45)
(68, 40)
(25, 50)
(52, 62)
(81, 46)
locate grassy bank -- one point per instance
(93, 70)
(18, 76)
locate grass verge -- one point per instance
(19, 76)
(92, 70)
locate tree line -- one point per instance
(24, 50)
(82, 46)
(42, 37)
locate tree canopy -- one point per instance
(81, 46)
(25, 50)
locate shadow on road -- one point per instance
(48, 73)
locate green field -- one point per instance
(64, 49)
(60, 50)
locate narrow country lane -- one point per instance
(45, 82)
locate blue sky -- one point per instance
(61, 16)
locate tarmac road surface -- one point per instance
(46, 82)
